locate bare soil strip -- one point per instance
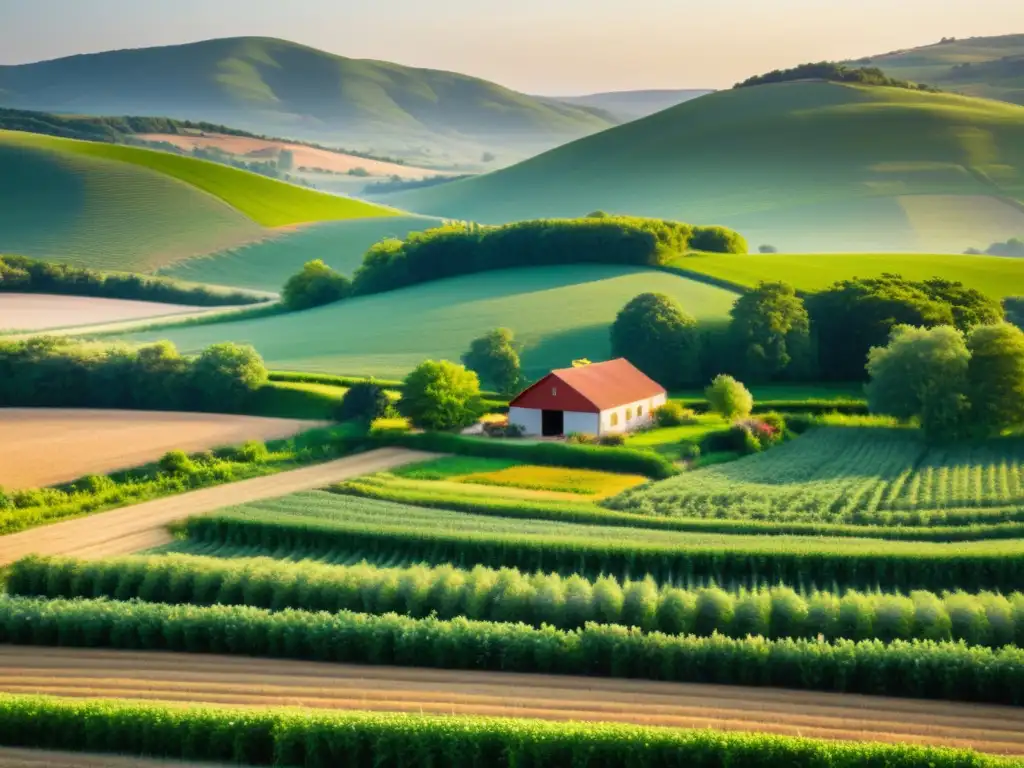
(275, 683)
(44, 446)
(36, 311)
(142, 526)
(39, 758)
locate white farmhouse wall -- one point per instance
(527, 419)
(641, 414)
(584, 423)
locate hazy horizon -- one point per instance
(578, 47)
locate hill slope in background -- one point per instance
(804, 166)
(122, 208)
(280, 88)
(632, 105)
(991, 67)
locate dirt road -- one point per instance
(45, 446)
(39, 758)
(129, 529)
(266, 682)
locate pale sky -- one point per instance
(556, 47)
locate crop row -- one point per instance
(379, 740)
(728, 561)
(918, 668)
(536, 599)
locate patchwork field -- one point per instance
(870, 475)
(268, 263)
(98, 442)
(559, 313)
(995, 276)
(167, 207)
(34, 311)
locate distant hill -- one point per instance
(279, 88)
(632, 105)
(803, 166)
(990, 67)
(116, 207)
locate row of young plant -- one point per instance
(508, 595)
(874, 565)
(917, 668)
(1010, 523)
(262, 737)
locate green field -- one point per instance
(868, 475)
(808, 166)
(559, 313)
(267, 264)
(994, 276)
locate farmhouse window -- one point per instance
(639, 411)
(554, 391)
(614, 420)
(629, 414)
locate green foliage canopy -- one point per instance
(772, 329)
(995, 377)
(834, 72)
(364, 402)
(495, 360)
(314, 285)
(656, 336)
(729, 397)
(440, 395)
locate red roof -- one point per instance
(590, 388)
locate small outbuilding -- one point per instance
(595, 399)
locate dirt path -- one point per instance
(40, 311)
(142, 526)
(266, 682)
(39, 758)
(45, 446)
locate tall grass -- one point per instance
(268, 737)
(920, 669)
(538, 599)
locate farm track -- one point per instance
(143, 526)
(40, 758)
(265, 683)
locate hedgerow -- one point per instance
(919, 669)
(313, 739)
(507, 595)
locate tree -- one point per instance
(440, 395)
(970, 307)
(995, 377)
(718, 240)
(315, 284)
(921, 374)
(767, 249)
(656, 336)
(772, 330)
(225, 375)
(364, 402)
(729, 397)
(495, 359)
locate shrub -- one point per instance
(612, 440)
(91, 484)
(672, 414)
(314, 285)
(389, 426)
(365, 402)
(580, 438)
(689, 451)
(767, 249)
(729, 398)
(252, 452)
(227, 374)
(440, 395)
(176, 463)
(718, 240)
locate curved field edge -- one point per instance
(266, 201)
(291, 737)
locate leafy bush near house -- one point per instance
(673, 414)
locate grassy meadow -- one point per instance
(802, 166)
(559, 313)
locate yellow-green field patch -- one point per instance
(583, 481)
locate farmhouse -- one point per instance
(595, 399)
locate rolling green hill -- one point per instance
(994, 276)
(266, 265)
(559, 313)
(123, 208)
(991, 67)
(280, 88)
(804, 166)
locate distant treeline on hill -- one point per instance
(835, 72)
(398, 184)
(19, 274)
(460, 248)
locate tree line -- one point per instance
(460, 248)
(54, 372)
(834, 72)
(21, 274)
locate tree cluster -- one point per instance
(953, 384)
(60, 373)
(1012, 247)
(654, 333)
(440, 395)
(834, 72)
(494, 357)
(314, 285)
(460, 248)
(23, 275)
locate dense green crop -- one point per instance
(330, 526)
(535, 599)
(865, 476)
(920, 669)
(385, 740)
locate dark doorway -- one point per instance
(552, 423)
